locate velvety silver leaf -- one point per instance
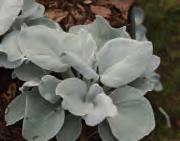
(83, 58)
(9, 46)
(158, 86)
(153, 65)
(71, 85)
(31, 10)
(31, 83)
(44, 21)
(139, 15)
(9, 10)
(78, 64)
(92, 105)
(15, 110)
(94, 90)
(10, 54)
(141, 33)
(73, 91)
(143, 84)
(135, 117)
(155, 79)
(71, 129)
(29, 72)
(47, 88)
(28, 4)
(125, 93)
(42, 120)
(7, 64)
(121, 61)
(103, 108)
(88, 47)
(105, 132)
(101, 31)
(44, 49)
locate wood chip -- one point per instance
(56, 14)
(100, 10)
(87, 1)
(50, 3)
(70, 22)
(81, 8)
(122, 5)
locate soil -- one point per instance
(67, 13)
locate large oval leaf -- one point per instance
(4, 62)
(9, 10)
(121, 61)
(73, 92)
(105, 132)
(126, 93)
(29, 72)
(47, 88)
(15, 110)
(143, 84)
(44, 49)
(101, 31)
(31, 10)
(80, 65)
(10, 47)
(103, 108)
(153, 65)
(135, 118)
(42, 120)
(71, 129)
(83, 59)
(43, 21)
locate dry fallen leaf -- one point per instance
(77, 15)
(87, 1)
(50, 3)
(10, 94)
(100, 10)
(81, 8)
(70, 22)
(122, 5)
(56, 14)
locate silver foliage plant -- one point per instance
(140, 34)
(94, 73)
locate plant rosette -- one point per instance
(94, 73)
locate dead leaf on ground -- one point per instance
(50, 3)
(56, 14)
(77, 15)
(10, 93)
(100, 10)
(81, 8)
(70, 22)
(122, 5)
(87, 1)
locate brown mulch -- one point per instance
(74, 12)
(67, 13)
